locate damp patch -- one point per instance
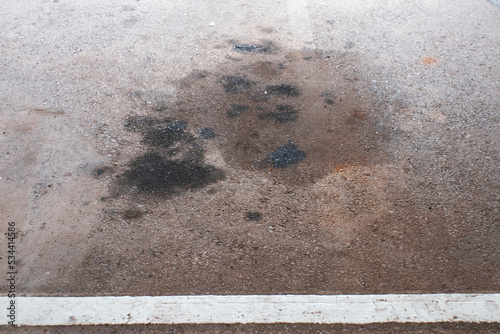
(329, 97)
(152, 173)
(248, 48)
(167, 136)
(236, 110)
(283, 114)
(253, 216)
(283, 89)
(236, 84)
(286, 156)
(206, 133)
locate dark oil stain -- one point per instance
(206, 133)
(253, 216)
(286, 156)
(248, 48)
(132, 214)
(236, 84)
(172, 164)
(151, 173)
(283, 89)
(99, 171)
(242, 103)
(283, 114)
(166, 137)
(236, 110)
(329, 97)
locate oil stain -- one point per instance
(249, 48)
(152, 173)
(286, 156)
(236, 84)
(166, 137)
(273, 113)
(283, 114)
(253, 216)
(283, 89)
(173, 163)
(236, 110)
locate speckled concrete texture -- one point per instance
(117, 189)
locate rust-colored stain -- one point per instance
(341, 167)
(359, 115)
(429, 61)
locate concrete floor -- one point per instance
(396, 110)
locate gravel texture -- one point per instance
(391, 185)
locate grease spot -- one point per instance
(236, 110)
(236, 84)
(253, 216)
(206, 133)
(166, 137)
(283, 114)
(286, 156)
(329, 97)
(283, 89)
(151, 173)
(248, 48)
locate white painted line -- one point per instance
(324, 309)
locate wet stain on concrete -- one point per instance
(283, 114)
(152, 173)
(249, 48)
(98, 172)
(206, 133)
(166, 137)
(329, 97)
(131, 214)
(236, 110)
(237, 84)
(283, 89)
(272, 113)
(253, 216)
(172, 163)
(286, 156)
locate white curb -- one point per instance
(320, 309)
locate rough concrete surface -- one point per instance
(352, 147)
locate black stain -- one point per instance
(283, 114)
(236, 84)
(329, 97)
(206, 133)
(253, 216)
(248, 48)
(172, 164)
(166, 137)
(132, 214)
(98, 172)
(286, 156)
(283, 89)
(151, 173)
(236, 110)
